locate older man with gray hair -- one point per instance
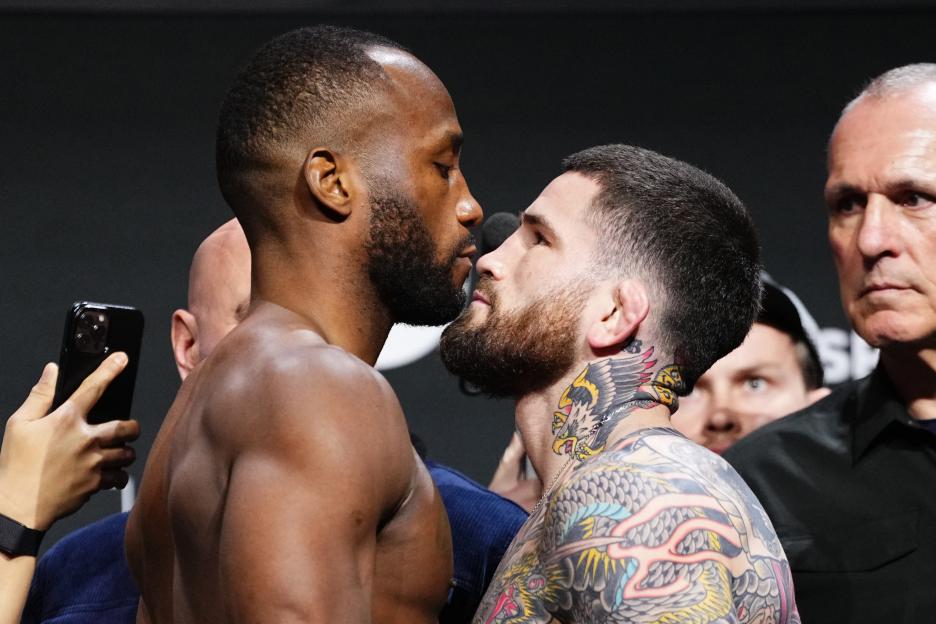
(849, 481)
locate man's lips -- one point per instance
(477, 296)
(883, 287)
(469, 251)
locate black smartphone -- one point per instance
(92, 332)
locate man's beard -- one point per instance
(510, 354)
(401, 262)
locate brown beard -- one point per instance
(510, 354)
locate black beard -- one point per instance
(401, 263)
(512, 354)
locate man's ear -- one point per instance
(626, 309)
(184, 341)
(329, 180)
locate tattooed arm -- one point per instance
(632, 536)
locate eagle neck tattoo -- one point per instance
(605, 393)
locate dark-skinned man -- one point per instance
(283, 485)
(84, 578)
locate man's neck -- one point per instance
(334, 300)
(913, 374)
(587, 411)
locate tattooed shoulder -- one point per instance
(655, 529)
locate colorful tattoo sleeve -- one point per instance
(655, 529)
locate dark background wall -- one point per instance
(106, 167)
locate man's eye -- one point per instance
(848, 204)
(912, 199)
(443, 169)
(755, 383)
(539, 239)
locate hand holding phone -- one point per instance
(51, 462)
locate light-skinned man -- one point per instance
(607, 303)
(848, 481)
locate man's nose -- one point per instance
(721, 419)
(468, 210)
(495, 262)
(490, 264)
(878, 234)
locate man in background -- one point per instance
(848, 482)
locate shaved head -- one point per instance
(218, 295)
(219, 283)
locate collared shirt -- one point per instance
(850, 485)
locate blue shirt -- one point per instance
(84, 579)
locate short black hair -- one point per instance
(686, 235)
(305, 84)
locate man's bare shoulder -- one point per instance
(665, 462)
(288, 380)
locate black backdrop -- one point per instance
(106, 167)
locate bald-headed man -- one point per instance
(218, 296)
(283, 485)
(848, 482)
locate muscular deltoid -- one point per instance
(652, 528)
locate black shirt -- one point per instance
(850, 485)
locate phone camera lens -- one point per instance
(91, 331)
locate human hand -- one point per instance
(510, 479)
(51, 464)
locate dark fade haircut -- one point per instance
(304, 85)
(688, 237)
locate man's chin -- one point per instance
(886, 328)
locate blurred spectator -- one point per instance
(775, 371)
